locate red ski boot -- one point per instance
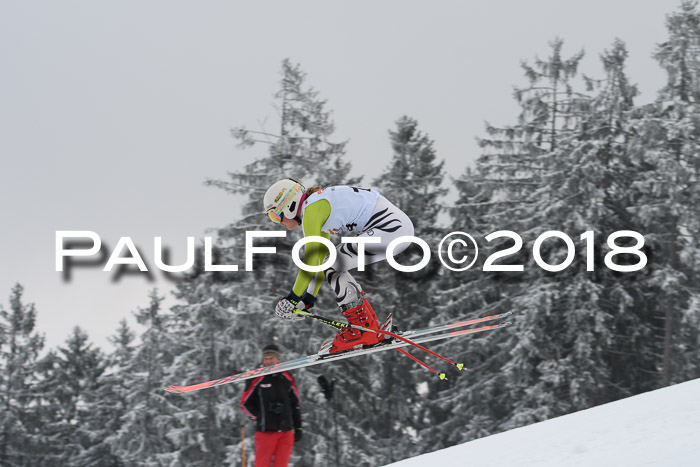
(350, 338)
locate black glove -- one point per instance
(309, 300)
(297, 434)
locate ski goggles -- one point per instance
(274, 216)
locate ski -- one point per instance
(424, 335)
(458, 324)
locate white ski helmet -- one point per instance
(283, 199)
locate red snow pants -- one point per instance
(275, 445)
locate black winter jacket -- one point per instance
(273, 402)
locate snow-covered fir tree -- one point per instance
(204, 323)
(667, 158)
(20, 346)
(597, 191)
(413, 182)
(145, 434)
(69, 375)
(106, 405)
(586, 193)
(505, 192)
(302, 149)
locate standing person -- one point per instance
(334, 210)
(273, 402)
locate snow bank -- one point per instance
(658, 428)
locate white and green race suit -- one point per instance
(339, 209)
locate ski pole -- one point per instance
(441, 375)
(341, 325)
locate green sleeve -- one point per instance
(315, 215)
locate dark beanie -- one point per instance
(271, 350)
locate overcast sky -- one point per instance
(112, 114)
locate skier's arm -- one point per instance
(249, 399)
(315, 216)
(295, 402)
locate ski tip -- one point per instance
(460, 366)
(173, 389)
(442, 376)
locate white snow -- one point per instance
(658, 428)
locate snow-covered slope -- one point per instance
(659, 428)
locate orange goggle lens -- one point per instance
(274, 217)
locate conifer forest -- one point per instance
(582, 154)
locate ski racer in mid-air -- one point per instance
(334, 210)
